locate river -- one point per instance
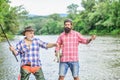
(99, 60)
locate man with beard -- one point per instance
(28, 48)
(69, 41)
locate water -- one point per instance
(99, 60)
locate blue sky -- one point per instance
(45, 7)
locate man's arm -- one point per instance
(92, 38)
(13, 50)
(50, 45)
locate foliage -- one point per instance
(99, 17)
(9, 17)
(72, 10)
(51, 24)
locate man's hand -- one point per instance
(12, 48)
(50, 45)
(57, 45)
(58, 55)
(93, 37)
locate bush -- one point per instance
(116, 31)
(93, 32)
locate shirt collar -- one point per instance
(25, 37)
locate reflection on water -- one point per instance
(100, 60)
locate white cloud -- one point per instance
(45, 7)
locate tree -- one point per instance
(9, 17)
(100, 16)
(55, 17)
(72, 10)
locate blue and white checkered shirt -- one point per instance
(31, 54)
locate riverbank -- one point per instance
(98, 60)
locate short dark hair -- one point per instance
(68, 20)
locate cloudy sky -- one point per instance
(45, 7)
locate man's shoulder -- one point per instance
(21, 41)
(63, 33)
(35, 38)
(75, 32)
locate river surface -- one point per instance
(99, 60)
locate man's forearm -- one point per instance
(89, 40)
(50, 45)
(92, 38)
(15, 52)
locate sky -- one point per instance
(45, 7)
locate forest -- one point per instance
(100, 17)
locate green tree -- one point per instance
(55, 17)
(72, 10)
(99, 16)
(9, 17)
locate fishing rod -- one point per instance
(8, 42)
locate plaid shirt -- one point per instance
(69, 44)
(31, 54)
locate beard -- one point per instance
(67, 30)
(29, 39)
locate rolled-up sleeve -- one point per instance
(43, 44)
(59, 42)
(81, 39)
(18, 49)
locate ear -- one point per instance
(71, 27)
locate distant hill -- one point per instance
(63, 15)
(34, 15)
